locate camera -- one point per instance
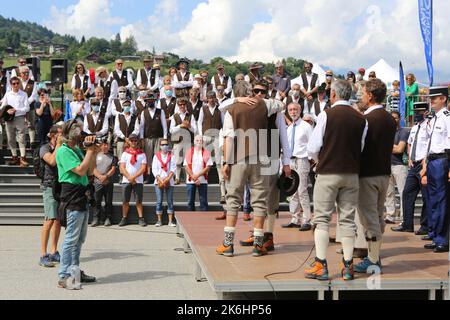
(98, 140)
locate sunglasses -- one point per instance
(15, 83)
(164, 145)
(182, 105)
(119, 64)
(258, 91)
(133, 140)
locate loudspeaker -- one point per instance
(58, 71)
(34, 64)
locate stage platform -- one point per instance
(406, 264)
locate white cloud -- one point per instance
(86, 18)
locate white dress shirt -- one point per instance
(14, 74)
(316, 140)
(228, 86)
(282, 128)
(148, 73)
(113, 108)
(95, 117)
(309, 77)
(439, 132)
(129, 78)
(17, 100)
(75, 108)
(128, 118)
(182, 84)
(159, 172)
(197, 166)
(152, 115)
(114, 88)
(422, 141)
(89, 83)
(302, 134)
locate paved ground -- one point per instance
(132, 263)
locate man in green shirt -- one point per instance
(73, 167)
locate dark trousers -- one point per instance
(103, 192)
(438, 194)
(412, 187)
(202, 193)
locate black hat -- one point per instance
(289, 184)
(183, 60)
(438, 91)
(5, 115)
(421, 106)
(133, 136)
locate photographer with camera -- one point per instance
(73, 167)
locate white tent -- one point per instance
(319, 70)
(384, 72)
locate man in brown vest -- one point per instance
(294, 97)
(96, 121)
(126, 123)
(110, 87)
(272, 93)
(336, 143)
(220, 78)
(147, 76)
(308, 81)
(117, 104)
(182, 81)
(254, 74)
(168, 104)
(210, 122)
(153, 128)
(194, 104)
(22, 62)
(183, 127)
(375, 171)
(123, 77)
(242, 128)
(30, 88)
(315, 107)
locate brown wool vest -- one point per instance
(211, 121)
(341, 150)
(78, 85)
(144, 78)
(153, 127)
(169, 109)
(118, 105)
(185, 91)
(247, 118)
(95, 127)
(217, 80)
(122, 81)
(194, 110)
(178, 121)
(29, 88)
(106, 85)
(376, 157)
(124, 127)
(139, 107)
(3, 85)
(314, 79)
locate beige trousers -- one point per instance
(17, 128)
(300, 200)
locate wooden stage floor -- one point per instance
(406, 264)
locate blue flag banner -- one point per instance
(402, 102)
(426, 25)
(68, 114)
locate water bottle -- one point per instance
(74, 281)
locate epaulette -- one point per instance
(447, 113)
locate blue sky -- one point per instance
(340, 34)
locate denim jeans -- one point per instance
(76, 231)
(203, 195)
(159, 199)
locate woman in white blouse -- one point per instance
(79, 107)
(81, 80)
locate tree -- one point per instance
(83, 40)
(116, 45)
(13, 39)
(129, 47)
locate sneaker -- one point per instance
(247, 217)
(108, 223)
(14, 161)
(268, 242)
(389, 219)
(55, 258)
(46, 262)
(142, 222)
(367, 266)
(259, 251)
(225, 251)
(64, 283)
(23, 162)
(123, 222)
(247, 242)
(172, 224)
(158, 224)
(84, 278)
(318, 270)
(95, 222)
(347, 270)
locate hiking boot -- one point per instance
(347, 270)
(84, 278)
(23, 162)
(123, 222)
(95, 222)
(318, 270)
(248, 242)
(268, 242)
(247, 217)
(259, 251)
(367, 266)
(46, 262)
(142, 222)
(108, 223)
(223, 216)
(14, 161)
(225, 251)
(55, 258)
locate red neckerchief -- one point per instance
(190, 156)
(134, 153)
(164, 165)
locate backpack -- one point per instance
(38, 164)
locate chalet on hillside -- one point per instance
(93, 58)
